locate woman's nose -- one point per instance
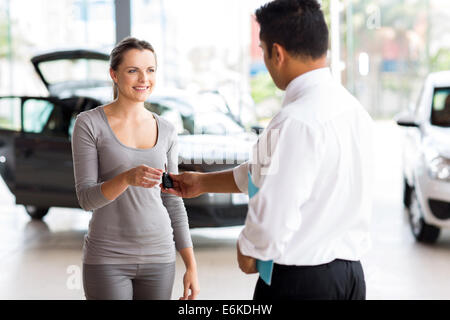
(142, 77)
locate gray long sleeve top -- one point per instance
(142, 225)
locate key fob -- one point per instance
(167, 181)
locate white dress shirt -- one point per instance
(312, 165)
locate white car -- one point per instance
(426, 159)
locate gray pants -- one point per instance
(153, 281)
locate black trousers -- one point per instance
(337, 280)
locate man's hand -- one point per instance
(246, 264)
(186, 185)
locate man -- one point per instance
(309, 176)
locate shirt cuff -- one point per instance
(247, 248)
(240, 175)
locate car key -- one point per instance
(166, 179)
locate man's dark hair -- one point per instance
(297, 25)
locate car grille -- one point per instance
(440, 209)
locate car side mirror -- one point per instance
(405, 119)
(257, 129)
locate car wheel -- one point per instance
(422, 231)
(406, 193)
(36, 212)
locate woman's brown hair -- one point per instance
(121, 48)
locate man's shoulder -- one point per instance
(299, 112)
(324, 104)
(289, 120)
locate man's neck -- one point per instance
(296, 67)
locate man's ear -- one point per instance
(279, 53)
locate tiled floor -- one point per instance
(42, 260)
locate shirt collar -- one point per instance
(300, 84)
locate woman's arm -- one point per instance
(190, 279)
(91, 193)
(141, 176)
(115, 187)
(85, 165)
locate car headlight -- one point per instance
(439, 168)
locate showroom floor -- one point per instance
(42, 260)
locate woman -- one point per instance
(119, 150)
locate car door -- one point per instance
(10, 128)
(43, 157)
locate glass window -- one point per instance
(36, 114)
(72, 124)
(41, 26)
(440, 114)
(201, 44)
(75, 70)
(10, 113)
(389, 47)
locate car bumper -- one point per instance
(434, 197)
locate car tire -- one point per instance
(36, 212)
(422, 231)
(406, 193)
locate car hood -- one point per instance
(215, 147)
(74, 80)
(438, 138)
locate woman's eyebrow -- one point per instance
(138, 67)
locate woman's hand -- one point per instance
(143, 176)
(190, 282)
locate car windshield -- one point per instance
(211, 102)
(201, 114)
(58, 71)
(215, 123)
(440, 114)
(213, 117)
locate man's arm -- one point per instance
(246, 264)
(192, 184)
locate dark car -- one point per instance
(35, 134)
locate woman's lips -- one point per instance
(141, 88)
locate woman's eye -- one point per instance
(131, 71)
(151, 70)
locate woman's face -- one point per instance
(135, 76)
